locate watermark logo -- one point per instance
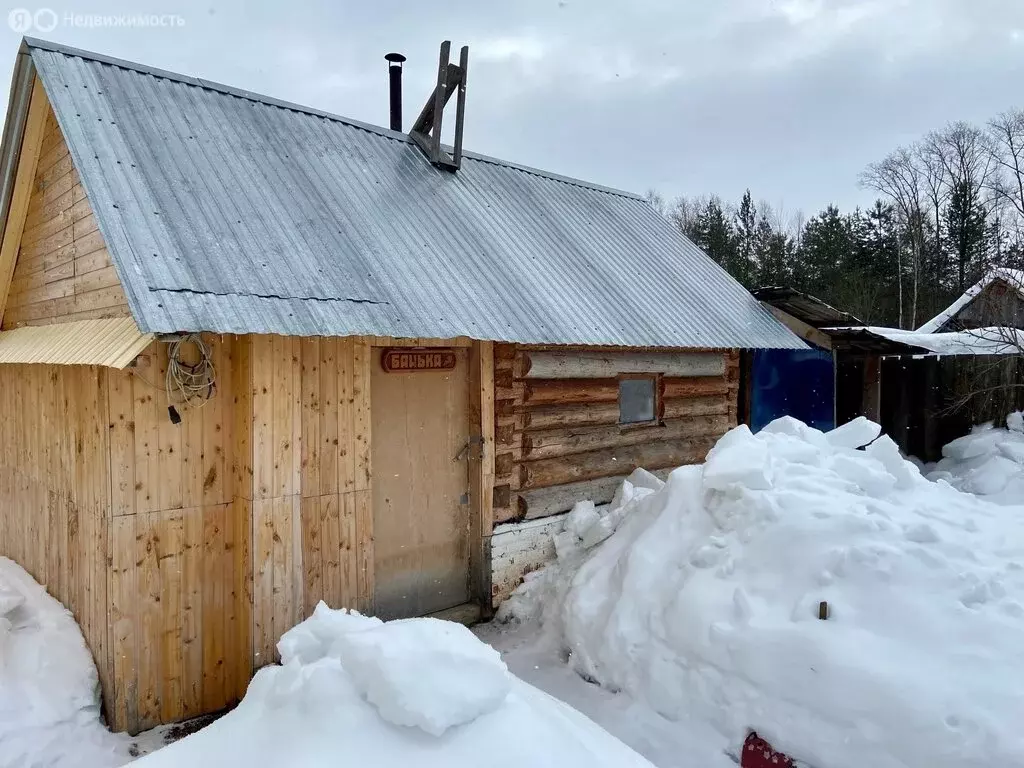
(23, 20)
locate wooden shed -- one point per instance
(925, 387)
(254, 355)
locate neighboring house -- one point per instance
(924, 387)
(837, 379)
(254, 356)
(995, 300)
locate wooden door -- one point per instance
(420, 423)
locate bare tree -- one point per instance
(959, 165)
(797, 222)
(657, 201)
(685, 211)
(966, 152)
(1006, 146)
(931, 152)
(901, 178)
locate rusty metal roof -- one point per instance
(230, 212)
(112, 342)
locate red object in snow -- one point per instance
(758, 753)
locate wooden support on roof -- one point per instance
(799, 327)
(426, 131)
(31, 143)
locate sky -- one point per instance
(791, 98)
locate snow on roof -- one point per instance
(1014, 277)
(979, 341)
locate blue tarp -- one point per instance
(797, 383)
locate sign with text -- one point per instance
(405, 360)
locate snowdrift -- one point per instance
(700, 597)
(353, 690)
(988, 462)
(49, 689)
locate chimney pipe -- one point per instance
(395, 79)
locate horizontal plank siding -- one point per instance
(63, 271)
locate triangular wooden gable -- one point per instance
(54, 264)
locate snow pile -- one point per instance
(988, 462)
(353, 690)
(703, 603)
(49, 690)
(428, 673)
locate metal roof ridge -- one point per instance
(241, 93)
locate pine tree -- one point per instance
(966, 228)
(713, 232)
(825, 248)
(771, 254)
(744, 265)
(871, 286)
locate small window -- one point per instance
(638, 399)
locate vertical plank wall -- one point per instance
(54, 493)
(186, 550)
(311, 503)
(179, 622)
(312, 476)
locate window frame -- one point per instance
(656, 379)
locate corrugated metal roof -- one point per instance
(113, 343)
(229, 212)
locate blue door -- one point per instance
(797, 383)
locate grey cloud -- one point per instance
(789, 97)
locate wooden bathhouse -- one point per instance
(255, 355)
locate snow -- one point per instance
(1014, 277)
(992, 340)
(701, 609)
(854, 434)
(989, 462)
(320, 708)
(427, 673)
(678, 617)
(49, 689)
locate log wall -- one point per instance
(557, 436)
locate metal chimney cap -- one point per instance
(394, 58)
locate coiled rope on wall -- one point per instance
(190, 383)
